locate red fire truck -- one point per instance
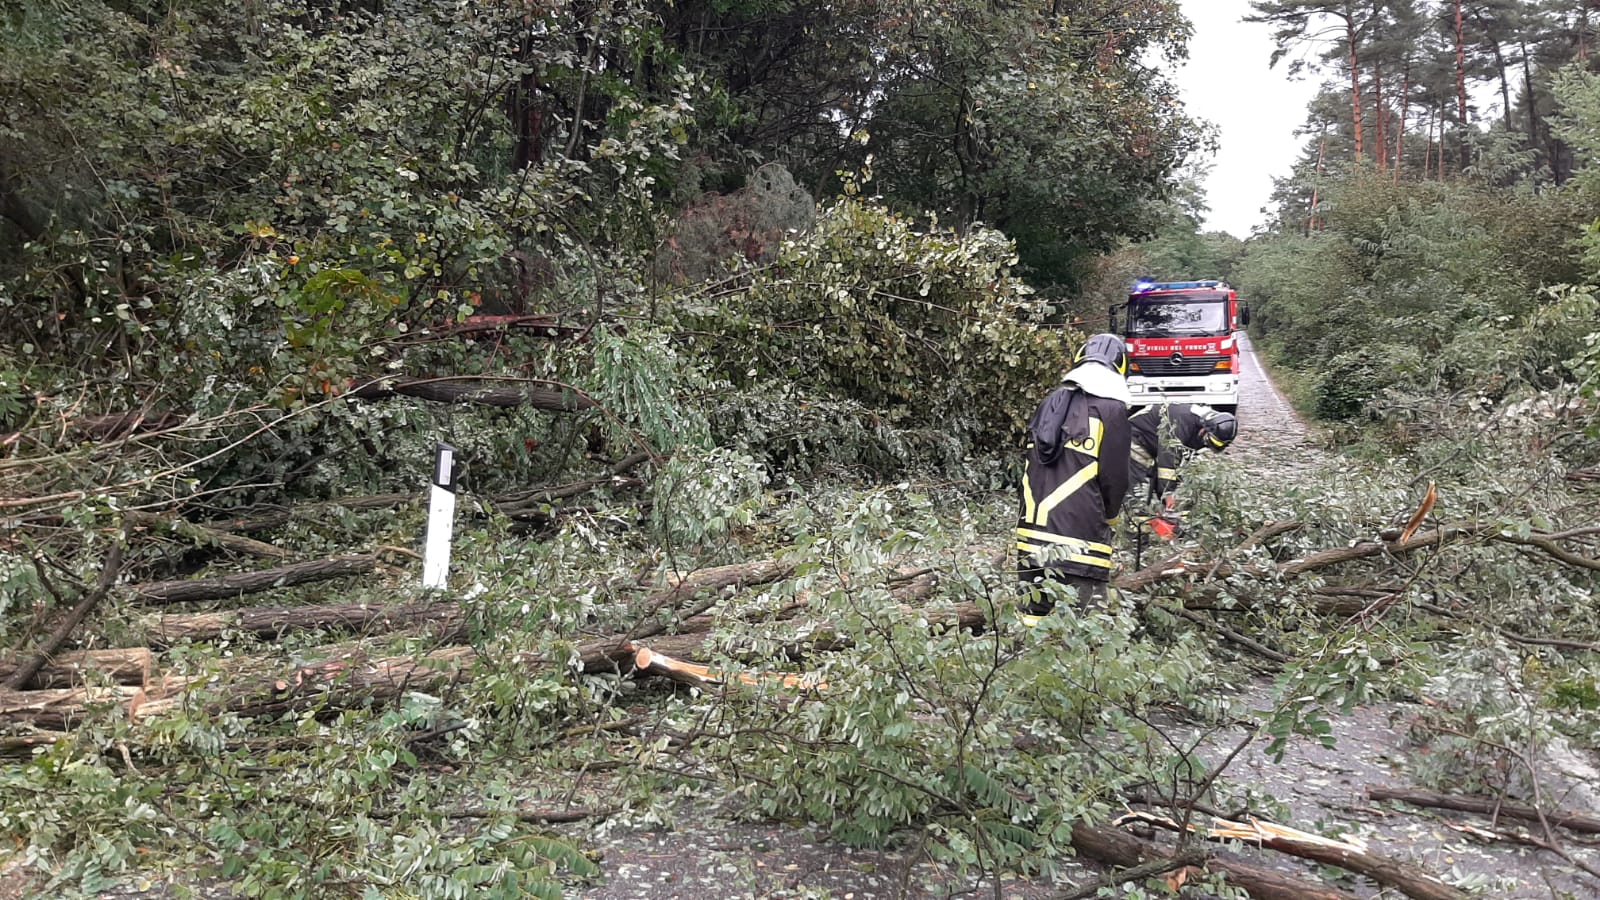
(1182, 342)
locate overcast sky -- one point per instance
(1254, 108)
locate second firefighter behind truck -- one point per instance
(1075, 480)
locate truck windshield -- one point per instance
(1160, 318)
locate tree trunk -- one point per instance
(525, 108)
(1461, 91)
(1392, 873)
(205, 535)
(1488, 806)
(1355, 81)
(125, 665)
(1118, 848)
(1505, 84)
(1583, 31)
(1380, 148)
(229, 586)
(1404, 877)
(1400, 126)
(1427, 153)
(463, 390)
(446, 620)
(969, 153)
(1316, 185)
(272, 518)
(260, 687)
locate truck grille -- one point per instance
(1162, 366)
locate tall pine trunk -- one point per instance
(1461, 94)
(1400, 124)
(1355, 81)
(1583, 31)
(1380, 148)
(1531, 110)
(1312, 224)
(1505, 86)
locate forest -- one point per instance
(734, 312)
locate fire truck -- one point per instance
(1182, 342)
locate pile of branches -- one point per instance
(49, 689)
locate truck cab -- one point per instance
(1182, 342)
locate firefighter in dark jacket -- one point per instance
(1166, 435)
(1076, 479)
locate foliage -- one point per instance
(1417, 287)
(222, 219)
(911, 323)
(988, 746)
(1180, 250)
(962, 104)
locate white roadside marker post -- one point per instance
(441, 515)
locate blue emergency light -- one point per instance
(1140, 287)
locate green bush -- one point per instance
(919, 325)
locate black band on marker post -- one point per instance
(444, 467)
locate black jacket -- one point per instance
(1163, 436)
(1076, 479)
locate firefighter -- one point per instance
(1164, 436)
(1167, 435)
(1075, 479)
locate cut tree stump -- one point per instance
(653, 662)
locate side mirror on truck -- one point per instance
(1244, 314)
(1111, 319)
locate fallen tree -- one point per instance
(502, 393)
(347, 678)
(1488, 806)
(125, 665)
(446, 619)
(205, 535)
(1348, 855)
(1118, 848)
(185, 590)
(348, 675)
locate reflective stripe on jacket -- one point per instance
(1067, 499)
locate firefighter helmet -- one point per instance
(1106, 349)
(1218, 429)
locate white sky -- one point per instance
(1255, 108)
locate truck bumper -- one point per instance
(1212, 390)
